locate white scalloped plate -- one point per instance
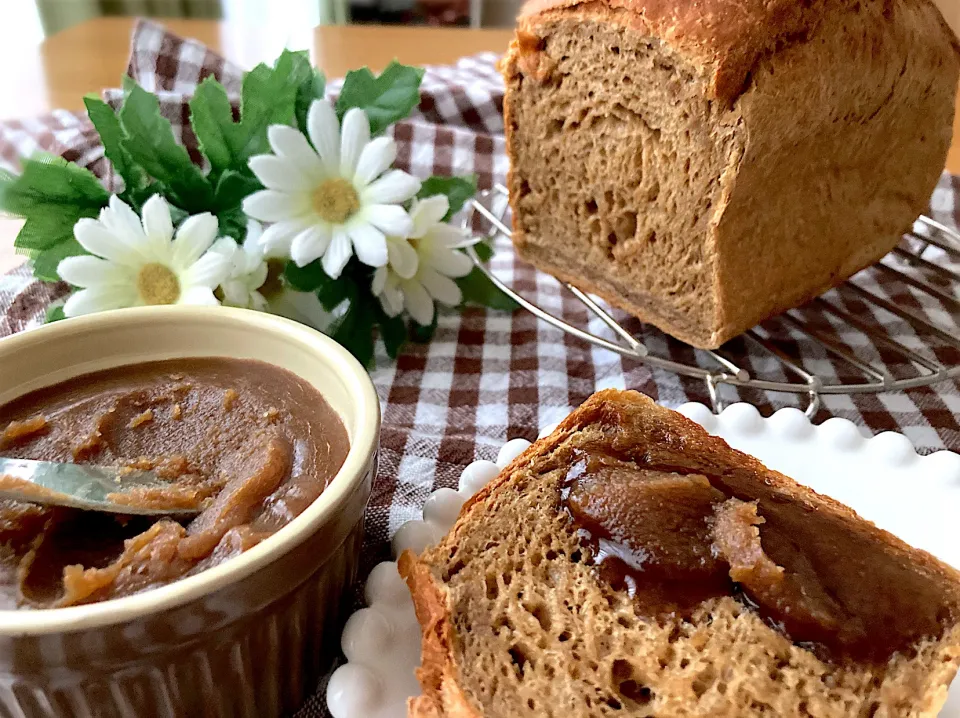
(882, 478)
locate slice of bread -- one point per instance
(519, 617)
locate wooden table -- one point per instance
(92, 55)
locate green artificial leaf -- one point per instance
(128, 84)
(45, 263)
(456, 189)
(423, 333)
(393, 331)
(310, 89)
(478, 289)
(52, 194)
(385, 99)
(354, 328)
(232, 223)
(45, 231)
(54, 314)
(233, 187)
(211, 117)
(150, 142)
(330, 292)
(50, 184)
(267, 99)
(484, 251)
(105, 121)
(305, 279)
(270, 95)
(138, 198)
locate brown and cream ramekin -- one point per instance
(246, 638)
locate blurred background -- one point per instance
(32, 20)
(24, 23)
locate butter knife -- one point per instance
(118, 490)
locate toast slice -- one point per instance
(629, 564)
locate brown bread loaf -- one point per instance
(521, 617)
(705, 165)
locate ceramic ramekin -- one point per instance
(246, 638)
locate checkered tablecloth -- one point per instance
(490, 376)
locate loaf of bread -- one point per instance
(706, 165)
(526, 612)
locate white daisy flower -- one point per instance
(303, 307)
(139, 262)
(422, 268)
(248, 269)
(332, 199)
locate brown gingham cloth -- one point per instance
(490, 376)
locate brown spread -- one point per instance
(673, 536)
(252, 443)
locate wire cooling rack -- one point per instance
(889, 328)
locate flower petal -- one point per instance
(388, 218)
(369, 244)
(97, 239)
(428, 212)
(258, 302)
(99, 299)
(450, 237)
(269, 205)
(194, 237)
(441, 288)
(279, 173)
(379, 280)
(292, 146)
(310, 244)
(199, 295)
(257, 276)
(403, 258)
(394, 187)
(275, 240)
(337, 254)
(93, 272)
(235, 294)
(375, 159)
(120, 219)
(417, 302)
(449, 262)
(324, 131)
(225, 246)
(392, 301)
(354, 137)
(251, 240)
(157, 225)
(304, 307)
(209, 271)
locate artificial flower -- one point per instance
(416, 285)
(139, 262)
(303, 307)
(248, 269)
(333, 199)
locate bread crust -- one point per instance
(673, 324)
(730, 36)
(443, 696)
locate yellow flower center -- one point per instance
(335, 200)
(158, 284)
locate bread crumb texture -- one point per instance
(517, 623)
